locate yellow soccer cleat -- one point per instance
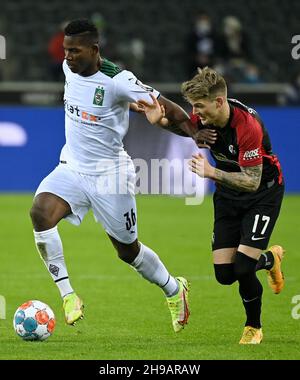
(73, 307)
(179, 306)
(251, 335)
(275, 275)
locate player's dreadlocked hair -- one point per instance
(206, 84)
(84, 28)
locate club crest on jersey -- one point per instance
(99, 96)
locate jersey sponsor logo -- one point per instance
(251, 154)
(99, 96)
(85, 116)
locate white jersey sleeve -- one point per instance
(130, 89)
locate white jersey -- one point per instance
(97, 117)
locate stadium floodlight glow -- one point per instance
(2, 48)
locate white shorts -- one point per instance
(111, 198)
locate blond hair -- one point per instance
(206, 84)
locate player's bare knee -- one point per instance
(125, 257)
(36, 214)
(127, 254)
(40, 218)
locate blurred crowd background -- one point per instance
(161, 40)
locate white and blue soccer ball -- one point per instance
(34, 320)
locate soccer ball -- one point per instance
(34, 320)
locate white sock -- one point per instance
(50, 248)
(149, 265)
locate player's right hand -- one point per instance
(154, 112)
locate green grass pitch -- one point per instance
(126, 317)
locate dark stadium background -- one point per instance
(149, 38)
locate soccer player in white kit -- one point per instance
(94, 170)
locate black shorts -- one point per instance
(248, 222)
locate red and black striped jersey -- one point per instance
(243, 142)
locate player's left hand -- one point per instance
(200, 165)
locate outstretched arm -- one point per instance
(247, 180)
(172, 117)
(177, 117)
(167, 115)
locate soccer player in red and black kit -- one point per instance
(249, 190)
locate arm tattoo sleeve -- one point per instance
(247, 180)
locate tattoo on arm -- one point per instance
(247, 180)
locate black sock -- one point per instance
(266, 261)
(250, 288)
(253, 310)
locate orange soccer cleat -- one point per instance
(275, 275)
